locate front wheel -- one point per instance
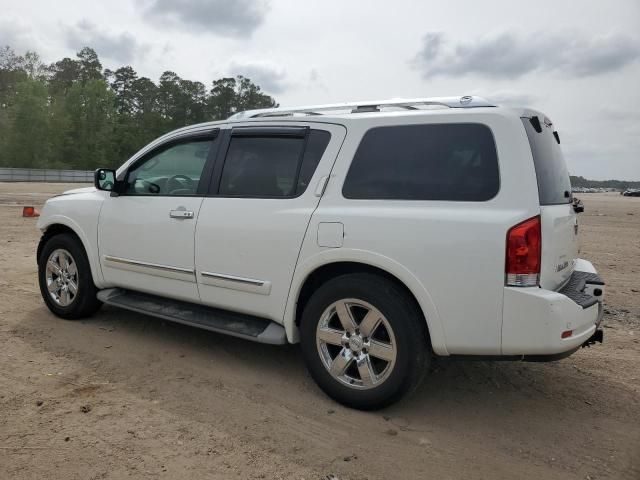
(65, 278)
(364, 340)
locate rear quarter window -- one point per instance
(455, 162)
(554, 185)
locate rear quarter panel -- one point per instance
(449, 254)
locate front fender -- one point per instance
(81, 216)
(365, 257)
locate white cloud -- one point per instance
(122, 47)
(17, 34)
(509, 54)
(235, 18)
(269, 76)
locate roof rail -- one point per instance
(466, 101)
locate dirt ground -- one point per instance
(123, 395)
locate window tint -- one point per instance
(554, 186)
(175, 170)
(425, 162)
(264, 166)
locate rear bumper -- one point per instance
(534, 320)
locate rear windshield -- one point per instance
(554, 186)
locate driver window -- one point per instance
(175, 170)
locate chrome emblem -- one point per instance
(356, 343)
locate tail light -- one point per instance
(524, 242)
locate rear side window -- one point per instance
(271, 166)
(455, 162)
(554, 186)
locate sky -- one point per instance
(577, 61)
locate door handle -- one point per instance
(322, 184)
(184, 214)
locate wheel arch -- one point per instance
(320, 269)
(62, 225)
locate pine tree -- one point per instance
(72, 114)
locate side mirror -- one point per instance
(104, 179)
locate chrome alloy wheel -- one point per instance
(62, 277)
(356, 343)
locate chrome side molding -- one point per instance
(233, 278)
(233, 282)
(137, 266)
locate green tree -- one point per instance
(26, 144)
(60, 133)
(250, 96)
(222, 101)
(122, 83)
(90, 108)
(231, 95)
(72, 114)
(149, 121)
(63, 74)
(168, 93)
(126, 134)
(90, 66)
(33, 66)
(194, 99)
(11, 74)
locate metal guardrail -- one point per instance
(45, 175)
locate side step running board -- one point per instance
(230, 323)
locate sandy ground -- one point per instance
(123, 395)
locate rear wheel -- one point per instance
(364, 340)
(65, 278)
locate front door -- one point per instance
(146, 234)
(252, 223)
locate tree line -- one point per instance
(617, 184)
(74, 114)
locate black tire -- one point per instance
(409, 331)
(85, 302)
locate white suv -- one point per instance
(376, 234)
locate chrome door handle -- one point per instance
(181, 214)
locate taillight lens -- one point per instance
(523, 254)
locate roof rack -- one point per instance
(466, 101)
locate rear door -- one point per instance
(267, 183)
(559, 221)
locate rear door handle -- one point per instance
(184, 214)
(322, 184)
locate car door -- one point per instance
(146, 232)
(268, 180)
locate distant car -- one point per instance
(375, 234)
(631, 193)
